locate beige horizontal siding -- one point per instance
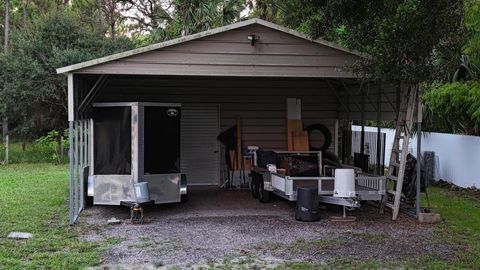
(260, 103)
(275, 54)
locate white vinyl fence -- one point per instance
(457, 156)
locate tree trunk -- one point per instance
(59, 149)
(6, 25)
(112, 30)
(5, 138)
(100, 16)
(62, 156)
(26, 3)
(5, 44)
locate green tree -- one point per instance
(408, 40)
(164, 20)
(453, 107)
(34, 95)
(472, 23)
(456, 107)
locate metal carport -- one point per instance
(247, 69)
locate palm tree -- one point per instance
(198, 15)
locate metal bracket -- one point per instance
(93, 92)
(349, 202)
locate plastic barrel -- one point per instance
(307, 204)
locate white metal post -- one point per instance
(419, 151)
(80, 182)
(335, 143)
(76, 170)
(134, 142)
(71, 114)
(379, 141)
(91, 142)
(70, 138)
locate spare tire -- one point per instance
(331, 156)
(326, 134)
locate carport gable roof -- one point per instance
(85, 67)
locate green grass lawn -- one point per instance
(461, 212)
(34, 198)
(33, 153)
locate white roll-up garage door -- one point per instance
(199, 146)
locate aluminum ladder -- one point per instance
(398, 156)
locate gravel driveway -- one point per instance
(229, 229)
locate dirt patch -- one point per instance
(229, 229)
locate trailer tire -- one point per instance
(183, 198)
(326, 134)
(254, 188)
(263, 195)
(88, 201)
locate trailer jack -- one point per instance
(136, 214)
(136, 211)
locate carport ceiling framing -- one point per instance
(92, 93)
(346, 84)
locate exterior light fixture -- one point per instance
(253, 38)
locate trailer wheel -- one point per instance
(89, 201)
(254, 188)
(263, 195)
(183, 198)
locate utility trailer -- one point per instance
(306, 169)
(134, 143)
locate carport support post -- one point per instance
(71, 119)
(419, 150)
(362, 120)
(379, 141)
(70, 137)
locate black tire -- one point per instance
(332, 163)
(263, 195)
(326, 134)
(88, 201)
(183, 198)
(254, 188)
(331, 156)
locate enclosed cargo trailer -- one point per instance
(136, 143)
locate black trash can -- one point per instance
(307, 204)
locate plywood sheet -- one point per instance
(300, 140)
(292, 126)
